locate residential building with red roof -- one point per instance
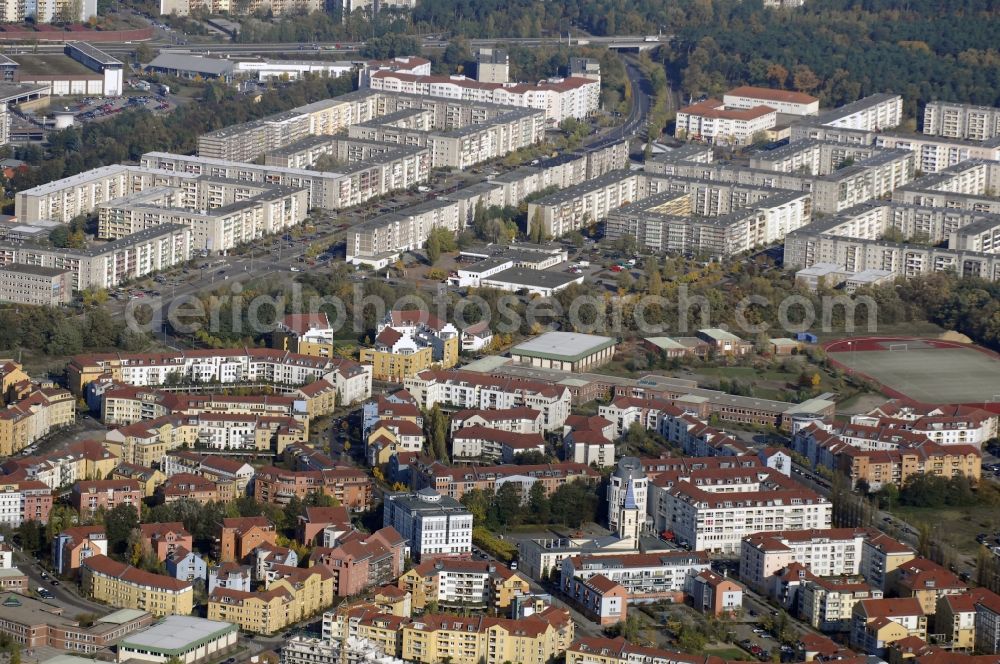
(456, 481)
(457, 583)
(224, 365)
(468, 389)
(309, 334)
(884, 454)
(953, 424)
(955, 617)
(349, 485)
(533, 640)
(34, 416)
(74, 545)
(601, 650)
(358, 561)
(711, 121)
(163, 539)
(410, 341)
(875, 623)
(560, 98)
(313, 524)
(389, 437)
(126, 587)
(515, 420)
(782, 101)
(926, 581)
(695, 506)
(644, 576)
(24, 500)
(828, 603)
(715, 594)
(89, 496)
(824, 552)
(489, 444)
(241, 535)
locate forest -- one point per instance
(838, 50)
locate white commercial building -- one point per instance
(783, 101)
(432, 524)
(712, 122)
(186, 638)
(293, 69)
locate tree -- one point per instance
(436, 432)
(536, 233)
(118, 524)
(59, 236)
(143, 53)
(30, 533)
(433, 249)
(508, 504)
(804, 79)
(478, 502)
(538, 503)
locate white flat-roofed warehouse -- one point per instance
(93, 58)
(569, 351)
(187, 638)
(191, 66)
(535, 282)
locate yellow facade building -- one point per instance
(475, 584)
(33, 417)
(537, 639)
(409, 342)
(126, 587)
(297, 594)
(390, 365)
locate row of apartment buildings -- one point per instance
(953, 205)
(379, 241)
(222, 214)
(456, 132)
(433, 637)
(105, 265)
(560, 98)
(351, 380)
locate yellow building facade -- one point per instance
(303, 593)
(397, 366)
(126, 587)
(435, 638)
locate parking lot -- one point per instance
(100, 108)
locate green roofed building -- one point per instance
(568, 351)
(185, 637)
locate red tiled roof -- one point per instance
(302, 323)
(770, 93)
(113, 568)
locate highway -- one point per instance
(305, 48)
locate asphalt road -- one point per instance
(624, 41)
(64, 594)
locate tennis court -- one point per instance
(929, 371)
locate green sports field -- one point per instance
(928, 374)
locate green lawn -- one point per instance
(728, 653)
(958, 526)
